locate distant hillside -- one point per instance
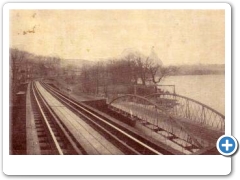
(197, 69)
(78, 63)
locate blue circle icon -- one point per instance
(227, 145)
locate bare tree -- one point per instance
(146, 68)
(158, 73)
(16, 62)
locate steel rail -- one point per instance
(106, 122)
(48, 125)
(70, 139)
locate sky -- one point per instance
(178, 36)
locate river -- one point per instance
(207, 89)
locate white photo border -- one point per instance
(115, 164)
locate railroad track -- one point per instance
(128, 142)
(53, 136)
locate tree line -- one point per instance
(25, 66)
(133, 68)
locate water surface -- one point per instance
(207, 89)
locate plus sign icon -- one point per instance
(227, 145)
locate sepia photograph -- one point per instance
(116, 81)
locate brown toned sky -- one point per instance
(178, 36)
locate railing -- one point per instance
(185, 108)
(154, 117)
(172, 86)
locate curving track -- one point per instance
(53, 137)
(128, 142)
